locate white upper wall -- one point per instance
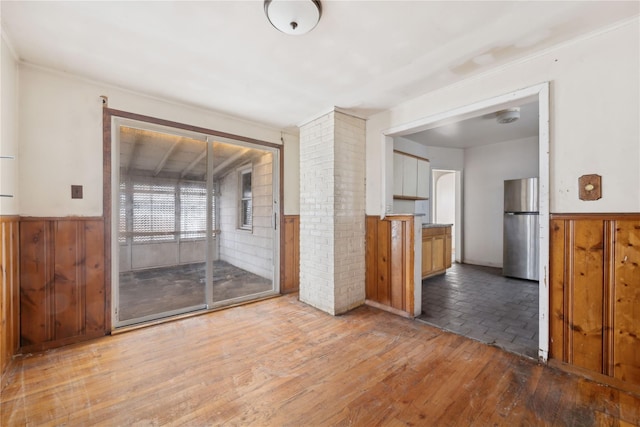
(60, 138)
(8, 131)
(409, 147)
(446, 158)
(485, 169)
(594, 113)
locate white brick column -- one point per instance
(332, 212)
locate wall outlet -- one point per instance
(76, 191)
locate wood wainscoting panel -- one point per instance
(36, 282)
(371, 257)
(557, 338)
(585, 293)
(397, 260)
(595, 293)
(94, 277)
(383, 262)
(408, 250)
(626, 300)
(390, 263)
(9, 292)
(69, 289)
(62, 282)
(290, 254)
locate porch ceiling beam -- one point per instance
(230, 161)
(194, 163)
(165, 158)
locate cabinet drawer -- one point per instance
(435, 231)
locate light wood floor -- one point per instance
(281, 363)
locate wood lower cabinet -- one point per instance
(390, 263)
(436, 250)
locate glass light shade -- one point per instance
(293, 16)
(508, 116)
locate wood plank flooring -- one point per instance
(281, 363)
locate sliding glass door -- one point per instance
(245, 240)
(196, 222)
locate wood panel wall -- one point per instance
(290, 250)
(62, 283)
(390, 262)
(595, 293)
(9, 292)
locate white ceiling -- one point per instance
(481, 130)
(364, 56)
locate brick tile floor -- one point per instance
(478, 302)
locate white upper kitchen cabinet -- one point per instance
(398, 167)
(410, 177)
(423, 182)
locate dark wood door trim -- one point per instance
(107, 115)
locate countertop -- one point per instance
(436, 225)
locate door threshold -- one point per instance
(162, 320)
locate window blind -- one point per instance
(154, 213)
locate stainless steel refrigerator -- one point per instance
(520, 247)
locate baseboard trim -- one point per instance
(387, 308)
(596, 377)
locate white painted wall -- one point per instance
(409, 147)
(60, 138)
(595, 110)
(446, 158)
(8, 131)
(251, 250)
(486, 168)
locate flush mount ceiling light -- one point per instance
(508, 116)
(293, 16)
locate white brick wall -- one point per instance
(332, 212)
(349, 211)
(249, 250)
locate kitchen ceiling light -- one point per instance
(508, 116)
(293, 16)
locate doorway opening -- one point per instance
(445, 204)
(537, 96)
(194, 219)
